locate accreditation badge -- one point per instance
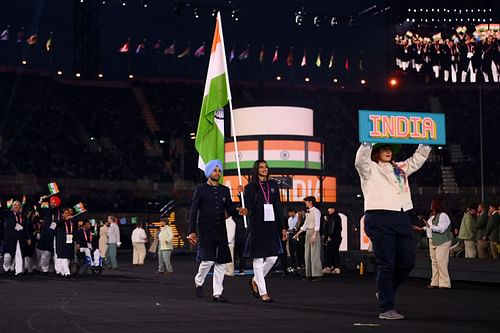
(69, 238)
(268, 213)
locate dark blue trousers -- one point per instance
(391, 234)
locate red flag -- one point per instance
(200, 51)
(289, 58)
(346, 64)
(125, 47)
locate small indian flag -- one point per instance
(44, 205)
(248, 154)
(9, 203)
(79, 208)
(53, 188)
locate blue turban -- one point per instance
(210, 167)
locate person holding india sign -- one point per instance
(387, 195)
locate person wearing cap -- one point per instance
(387, 195)
(207, 228)
(311, 227)
(267, 228)
(51, 216)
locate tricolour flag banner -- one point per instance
(53, 188)
(248, 154)
(44, 205)
(10, 203)
(285, 153)
(210, 134)
(402, 127)
(79, 208)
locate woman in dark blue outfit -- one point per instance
(266, 229)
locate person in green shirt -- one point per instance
(492, 230)
(467, 231)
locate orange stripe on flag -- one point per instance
(315, 146)
(284, 145)
(242, 145)
(216, 37)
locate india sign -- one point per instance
(402, 127)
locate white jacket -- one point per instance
(381, 187)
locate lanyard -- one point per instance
(268, 197)
(85, 235)
(70, 229)
(19, 218)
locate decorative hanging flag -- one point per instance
(304, 59)
(232, 54)
(125, 47)
(275, 56)
(170, 49)
(244, 55)
(141, 47)
(4, 35)
(346, 65)
(330, 64)
(157, 45)
(200, 51)
(261, 55)
(20, 36)
(318, 59)
(53, 188)
(48, 43)
(32, 39)
(186, 52)
(79, 208)
(289, 58)
(209, 141)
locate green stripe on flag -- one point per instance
(243, 165)
(314, 165)
(286, 164)
(209, 138)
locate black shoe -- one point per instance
(267, 300)
(219, 299)
(198, 290)
(254, 293)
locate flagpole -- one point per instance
(233, 128)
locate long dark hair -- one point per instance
(254, 174)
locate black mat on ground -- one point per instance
(138, 300)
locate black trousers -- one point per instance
(391, 234)
(332, 254)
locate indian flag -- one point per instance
(293, 154)
(210, 134)
(248, 154)
(79, 208)
(53, 188)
